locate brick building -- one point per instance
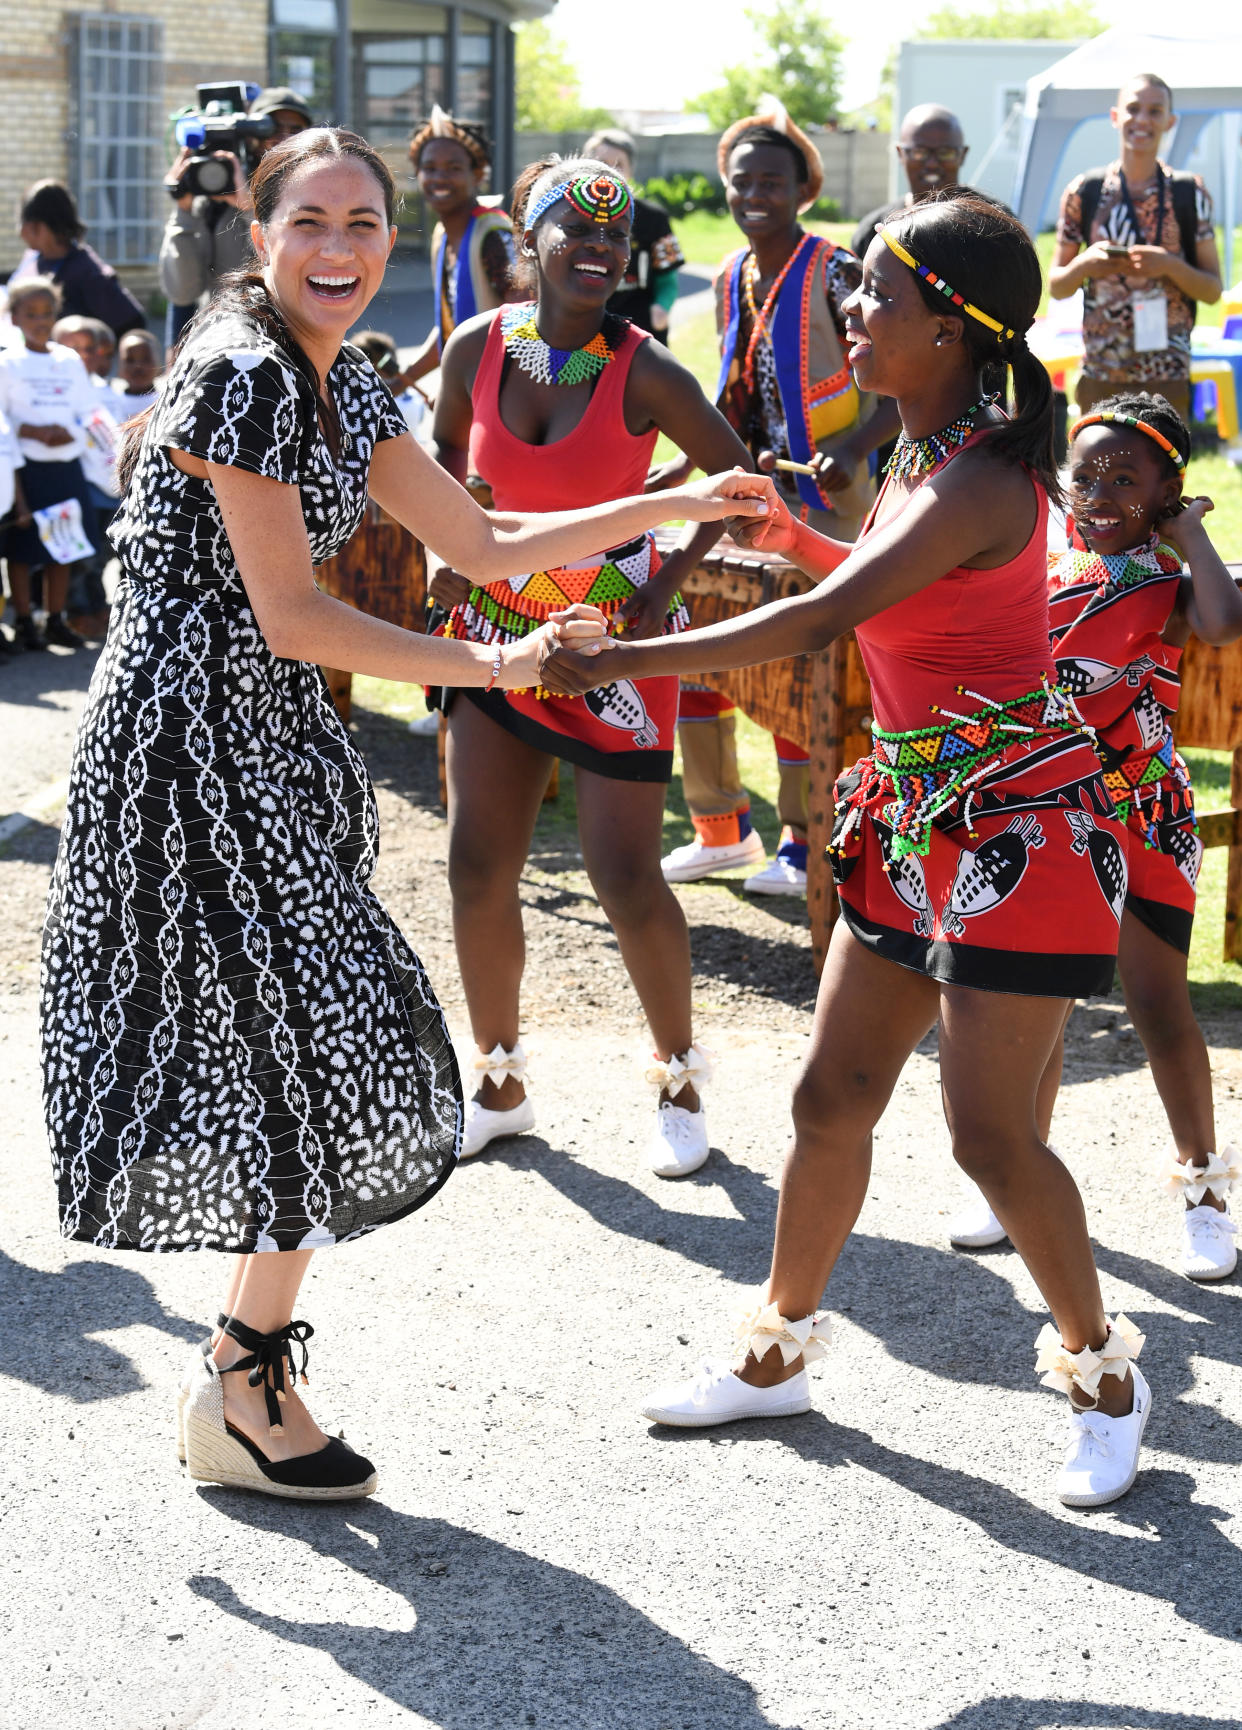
(85, 96)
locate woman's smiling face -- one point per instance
(580, 261)
(891, 333)
(326, 245)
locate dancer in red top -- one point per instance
(979, 821)
(557, 401)
(1121, 610)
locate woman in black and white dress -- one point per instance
(241, 1051)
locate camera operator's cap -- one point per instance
(277, 98)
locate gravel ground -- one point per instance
(538, 1555)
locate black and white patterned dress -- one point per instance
(241, 1052)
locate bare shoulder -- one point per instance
(986, 478)
(469, 339)
(655, 370)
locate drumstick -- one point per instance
(794, 468)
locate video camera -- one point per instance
(221, 123)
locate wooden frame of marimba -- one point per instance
(821, 701)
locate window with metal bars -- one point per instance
(116, 149)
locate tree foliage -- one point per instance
(797, 57)
(1017, 20)
(547, 89)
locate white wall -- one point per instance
(977, 79)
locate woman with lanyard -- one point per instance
(978, 859)
(551, 402)
(471, 244)
(1138, 240)
(241, 1051)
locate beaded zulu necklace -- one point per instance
(912, 457)
(549, 365)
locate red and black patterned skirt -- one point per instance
(1016, 883)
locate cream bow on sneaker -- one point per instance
(1208, 1248)
(715, 1395)
(1102, 1452)
(483, 1125)
(679, 1144)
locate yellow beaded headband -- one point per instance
(941, 286)
(1111, 416)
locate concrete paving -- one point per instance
(537, 1554)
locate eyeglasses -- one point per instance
(916, 153)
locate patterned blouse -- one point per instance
(1108, 316)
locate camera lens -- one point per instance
(214, 176)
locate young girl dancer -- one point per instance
(1121, 612)
(978, 858)
(241, 1052)
(557, 402)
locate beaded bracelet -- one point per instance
(497, 664)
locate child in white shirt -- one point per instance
(47, 397)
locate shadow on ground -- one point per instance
(1014, 1713)
(949, 1314)
(500, 1637)
(1159, 1541)
(47, 1321)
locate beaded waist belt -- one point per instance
(910, 779)
(1162, 790)
(508, 610)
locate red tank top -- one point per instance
(987, 630)
(598, 461)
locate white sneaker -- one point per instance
(716, 1396)
(976, 1226)
(483, 1126)
(1101, 1459)
(1208, 1249)
(696, 859)
(679, 1145)
(425, 726)
(778, 877)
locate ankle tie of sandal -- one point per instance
(1180, 1179)
(692, 1069)
(269, 1354)
(760, 1326)
(499, 1065)
(1067, 1371)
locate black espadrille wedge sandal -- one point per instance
(216, 1453)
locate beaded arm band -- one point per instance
(1110, 416)
(937, 282)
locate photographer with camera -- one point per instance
(208, 234)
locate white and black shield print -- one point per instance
(1150, 717)
(1106, 856)
(991, 873)
(908, 882)
(620, 705)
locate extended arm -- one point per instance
(263, 520)
(951, 521)
(1210, 605)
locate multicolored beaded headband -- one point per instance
(1108, 416)
(602, 197)
(941, 286)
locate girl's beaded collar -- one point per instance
(547, 365)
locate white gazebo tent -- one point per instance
(1205, 73)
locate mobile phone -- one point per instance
(1117, 251)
